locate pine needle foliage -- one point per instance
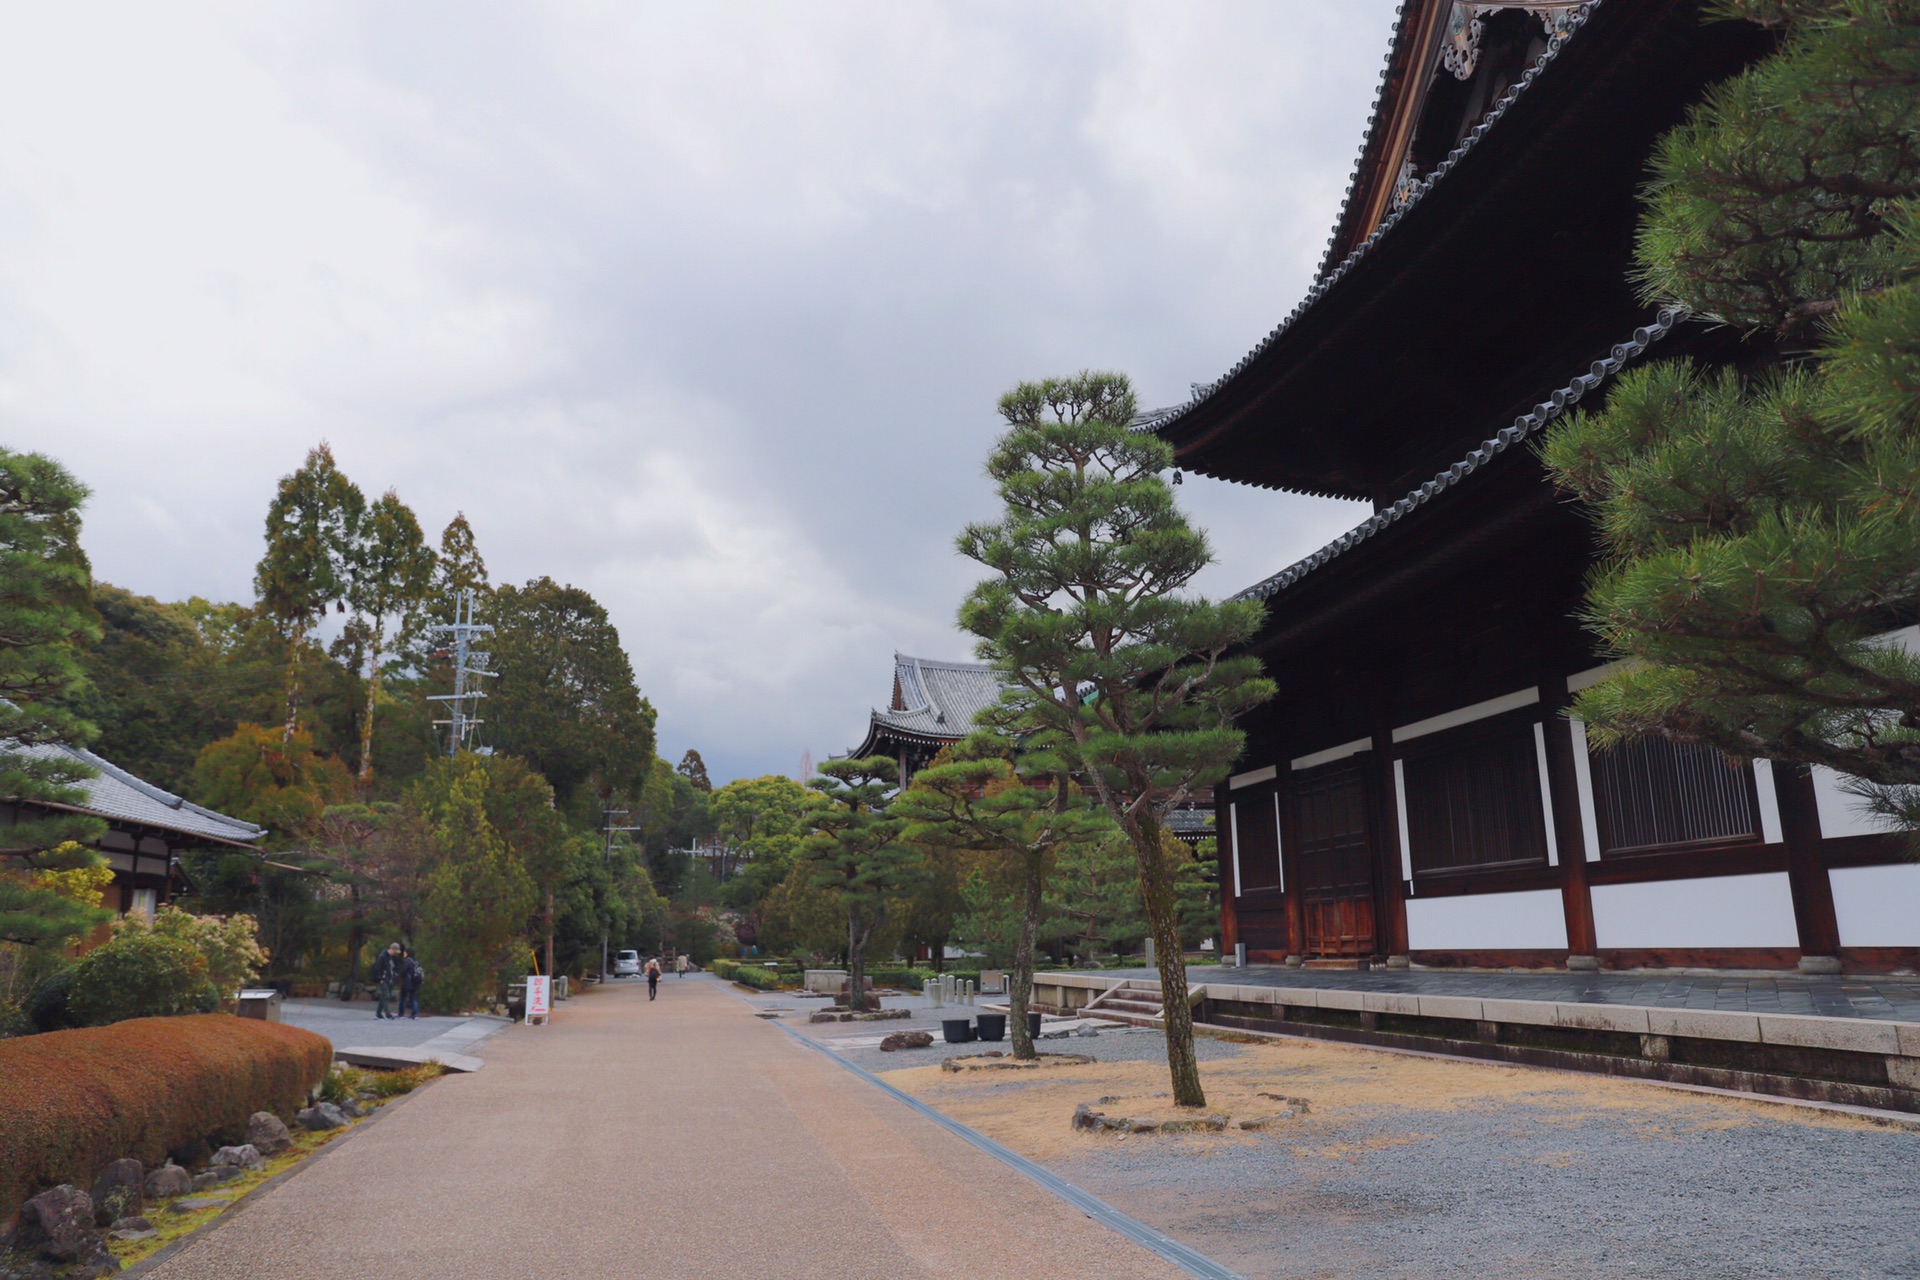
(854, 853)
(1135, 684)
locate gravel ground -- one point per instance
(1453, 1169)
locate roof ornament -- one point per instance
(1460, 51)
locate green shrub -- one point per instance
(728, 969)
(73, 1101)
(342, 1083)
(760, 979)
(48, 1008)
(141, 974)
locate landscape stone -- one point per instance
(907, 1040)
(193, 1204)
(352, 1107)
(137, 1223)
(57, 1224)
(267, 1133)
(245, 1156)
(27, 1269)
(116, 1192)
(214, 1177)
(831, 1015)
(322, 1116)
(167, 1181)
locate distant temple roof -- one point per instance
(119, 796)
(933, 702)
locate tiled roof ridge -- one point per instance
(160, 794)
(949, 664)
(1330, 275)
(1523, 426)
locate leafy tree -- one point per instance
(54, 898)
(1762, 525)
(228, 944)
(853, 852)
(694, 770)
(311, 526)
(278, 782)
(764, 821)
(800, 917)
(1132, 683)
(479, 895)
(566, 700)
(389, 570)
(987, 798)
(459, 567)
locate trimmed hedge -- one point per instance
(72, 1102)
(753, 975)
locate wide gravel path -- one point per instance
(682, 1137)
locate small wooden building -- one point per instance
(1417, 791)
(147, 831)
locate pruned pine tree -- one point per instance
(1138, 684)
(854, 853)
(311, 525)
(45, 622)
(389, 571)
(1762, 527)
(992, 798)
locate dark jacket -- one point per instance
(386, 967)
(412, 974)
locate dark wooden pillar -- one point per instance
(1386, 840)
(1290, 860)
(1224, 855)
(1813, 913)
(1569, 827)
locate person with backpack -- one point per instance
(653, 977)
(412, 975)
(386, 974)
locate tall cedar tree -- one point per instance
(311, 525)
(694, 770)
(389, 572)
(45, 622)
(479, 895)
(854, 853)
(1083, 618)
(991, 798)
(1762, 528)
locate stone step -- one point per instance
(1147, 1008)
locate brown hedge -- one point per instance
(72, 1102)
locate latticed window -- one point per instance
(1473, 798)
(1652, 794)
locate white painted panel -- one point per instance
(1877, 906)
(1841, 812)
(1400, 806)
(1714, 911)
(1467, 715)
(1546, 794)
(1769, 801)
(1279, 844)
(1583, 779)
(1233, 825)
(1256, 775)
(1487, 921)
(1331, 754)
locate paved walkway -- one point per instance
(679, 1138)
(1895, 999)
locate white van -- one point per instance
(626, 964)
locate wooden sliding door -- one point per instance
(1335, 859)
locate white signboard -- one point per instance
(539, 997)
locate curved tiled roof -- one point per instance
(119, 796)
(1506, 438)
(1331, 274)
(941, 698)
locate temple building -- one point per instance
(933, 706)
(147, 831)
(1417, 792)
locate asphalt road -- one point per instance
(678, 1138)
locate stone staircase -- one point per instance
(1136, 1006)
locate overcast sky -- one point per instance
(702, 307)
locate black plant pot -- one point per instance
(993, 1026)
(956, 1030)
(1033, 1026)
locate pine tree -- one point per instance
(1135, 683)
(311, 525)
(389, 570)
(855, 854)
(1762, 527)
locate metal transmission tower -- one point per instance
(469, 666)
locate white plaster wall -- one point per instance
(1488, 921)
(1720, 911)
(1841, 812)
(1878, 906)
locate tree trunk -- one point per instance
(1020, 989)
(857, 934)
(1156, 889)
(549, 932)
(293, 683)
(373, 694)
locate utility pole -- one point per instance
(469, 666)
(606, 923)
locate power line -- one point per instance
(469, 664)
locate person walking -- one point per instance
(412, 975)
(386, 974)
(653, 977)
(680, 963)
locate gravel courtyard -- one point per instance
(1422, 1167)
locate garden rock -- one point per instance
(214, 1177)
(831, 1015)
(906, 1040)
(57, 1224)
(246, 1156)
(322, 1116)
(167, 1181)
(267, 1133)
(116, 1192)
(28, 1269)
(352, 1107)
(136, 1228)
(194, 1204)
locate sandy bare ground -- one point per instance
(681, 1138)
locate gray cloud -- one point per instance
(704, 308)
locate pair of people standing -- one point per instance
(397, 971)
